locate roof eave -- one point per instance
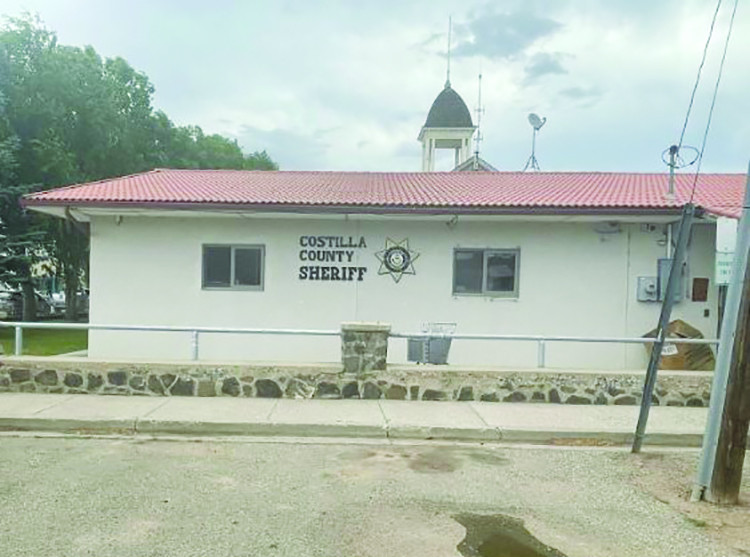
(49, 206)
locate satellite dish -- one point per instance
(535, 121)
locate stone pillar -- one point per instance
(364, 347)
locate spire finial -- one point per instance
(448, 73)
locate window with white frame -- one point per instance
(488, 272)
(233, 267)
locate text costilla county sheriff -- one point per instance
(331, 249)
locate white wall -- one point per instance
(573, 281)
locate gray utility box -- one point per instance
(433, 347)
(664, 266)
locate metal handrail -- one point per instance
(556, 338)
(19, 326)
(541, 340)
(167, 328)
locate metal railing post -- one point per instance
(540, 353)
(18, 351)
(194, 345)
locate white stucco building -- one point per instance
(564, 254)
(493, 252)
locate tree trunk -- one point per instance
(71, 300)
(29, 302)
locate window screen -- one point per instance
(467, 271)
(501, 271)
(217, 266)
(247, 266)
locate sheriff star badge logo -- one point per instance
(396, 259)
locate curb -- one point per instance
(132, 427)
(258, 429)
(113, 427)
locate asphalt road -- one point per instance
(132, 497)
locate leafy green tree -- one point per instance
(20, 238)
(259, 160)
(68, 116)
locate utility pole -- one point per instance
(730, 451)
(675, 274)
(726, 357)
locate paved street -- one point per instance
(67, 496)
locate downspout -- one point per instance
(669, 241)
(78, 225)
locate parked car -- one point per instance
(11, 305)
(57, 300)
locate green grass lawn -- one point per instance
(44, 342)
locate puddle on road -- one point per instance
(500, 536)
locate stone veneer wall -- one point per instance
(364, 347)
(80, 376)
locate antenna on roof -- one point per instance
(536, 123)
(448, 73)
(672, 158)
(479, 110)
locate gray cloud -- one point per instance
(433, 37)
(583, 96)
(407, 149)
(580, 92)
(374, 71)
(544, 63)
(502, 35)
(291, 150)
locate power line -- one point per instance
(698, 77)
(713, 100)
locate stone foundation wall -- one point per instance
(364, 347)
(80, 376)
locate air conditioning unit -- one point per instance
(433, 347)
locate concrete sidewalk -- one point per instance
(384, 419)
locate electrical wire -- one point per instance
(698, 77)
(713, 101)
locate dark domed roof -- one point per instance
(448, 111)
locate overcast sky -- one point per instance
(347, 85)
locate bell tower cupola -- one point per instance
(448, 124)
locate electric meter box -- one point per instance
(648, 289)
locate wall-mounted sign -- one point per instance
(397, 259)
(336, 253)
(726, 238)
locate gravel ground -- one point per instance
(134, 497)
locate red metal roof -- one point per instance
(720, 194)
